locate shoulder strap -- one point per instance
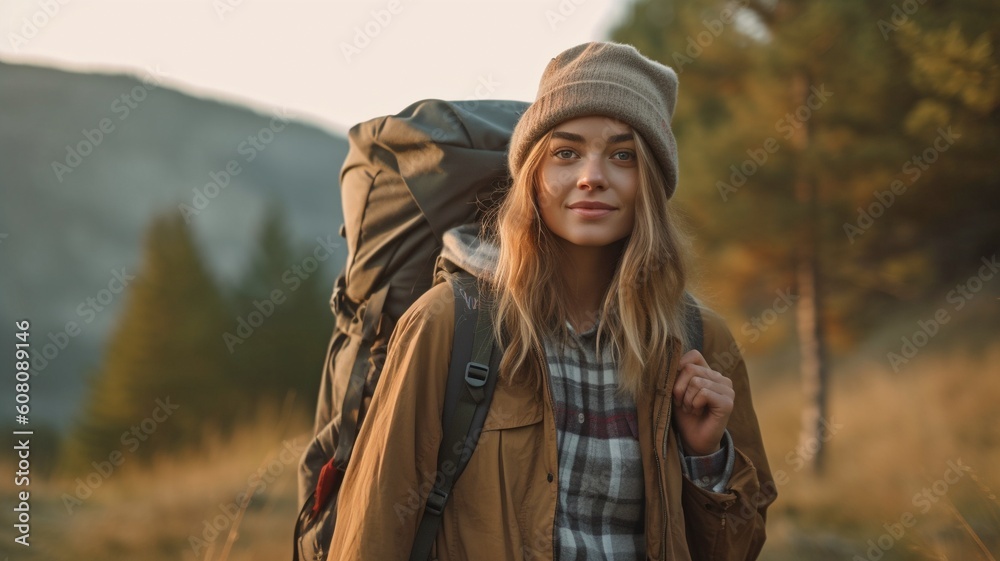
(695, 329)
(471, 380)
(354, 395)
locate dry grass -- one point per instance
(152, 512)
(899, 432)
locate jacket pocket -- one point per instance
(512, 408)
(501, 496)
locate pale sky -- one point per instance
(332, 62)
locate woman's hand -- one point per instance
(703, 401)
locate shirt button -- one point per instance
(549, 477)
(581, 418)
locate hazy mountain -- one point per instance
(86, 160)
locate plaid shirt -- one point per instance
(599, 514)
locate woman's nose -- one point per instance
(592, 174)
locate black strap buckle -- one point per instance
(338, 299)
(436, 501)
(476, 374)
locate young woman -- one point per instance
(606, 438)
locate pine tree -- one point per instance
(283, 297)
(898, 73)
(952, 63)
(163, 379)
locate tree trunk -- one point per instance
(812, 345)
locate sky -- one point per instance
(333, 62)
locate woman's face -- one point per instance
(588, 180)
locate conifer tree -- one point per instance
(283, 297)
(163, 379)
(898, 74)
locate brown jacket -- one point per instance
(503, 506)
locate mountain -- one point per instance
(87, 159)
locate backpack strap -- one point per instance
(354, 394)
(695, 329)
(472, 377)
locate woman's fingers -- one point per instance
(704, 399)
(703, 392)
(694, 375)
(714, 398)
(692, 357)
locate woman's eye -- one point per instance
(563, 154)
(623, 155)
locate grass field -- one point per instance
(913, 449)
(185, 507)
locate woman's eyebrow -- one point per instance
(573, 137)
(621, 138)
(567, 136)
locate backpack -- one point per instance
(407, 180)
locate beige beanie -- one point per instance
(610, 79)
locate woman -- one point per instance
(604, 440)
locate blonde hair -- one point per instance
(643, 307)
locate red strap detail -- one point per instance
(329, 481)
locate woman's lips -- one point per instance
(589, 212)
(591, 209)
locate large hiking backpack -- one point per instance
(407, 180)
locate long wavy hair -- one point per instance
(643, 306)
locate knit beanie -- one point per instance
(609, 79)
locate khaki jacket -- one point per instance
(503, 506)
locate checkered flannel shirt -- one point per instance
(599, 514)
